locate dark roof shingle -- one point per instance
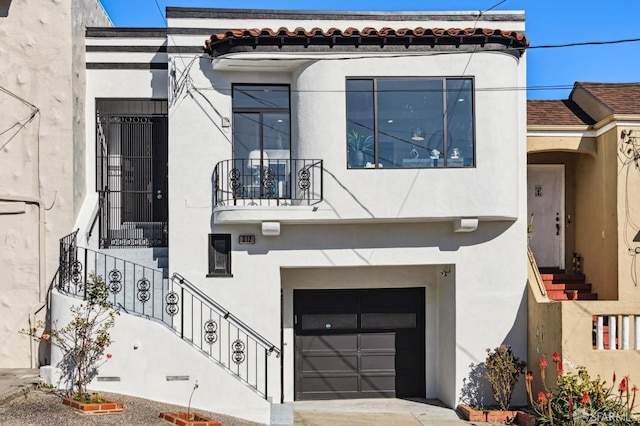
(620, 98)
(556, 112)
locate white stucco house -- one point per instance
(314, 205)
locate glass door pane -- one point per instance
(246, 152)
(276, 153)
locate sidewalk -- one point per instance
(369, 412)
(15, 382)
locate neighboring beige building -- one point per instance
(42, 148)
(586, 220)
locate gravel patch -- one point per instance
(43, 407)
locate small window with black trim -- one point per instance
(219, 255)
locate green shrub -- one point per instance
(503, 369)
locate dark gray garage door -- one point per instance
(359, 343)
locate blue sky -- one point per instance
(548, 23)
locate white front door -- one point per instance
(545, 200)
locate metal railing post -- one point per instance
(182, 312)
(85, 274)
(266, 374)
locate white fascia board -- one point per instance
(561, 134)
(187, 39)
(120, 41)
(584, 134)
(134, 57)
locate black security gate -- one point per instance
(366, 343)
(132, 173)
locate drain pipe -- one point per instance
(42, 250)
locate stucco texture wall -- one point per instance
(37, 156)
(628, 215)
(596, 221)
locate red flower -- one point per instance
(560, 369)
(543, 363)
(109, 355)
(623, 385)
(556, 357)
(529, 377)
(585, 398)
(45, 336)
(542, 398)
(634, 388)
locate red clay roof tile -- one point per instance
(478, 35)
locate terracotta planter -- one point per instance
(526, 419)
(105, 406)
(191, 419)
(492, 416)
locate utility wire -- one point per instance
(585, 43)
(161, 13)
(20, 124)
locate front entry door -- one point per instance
(132, 172)
(545, 201)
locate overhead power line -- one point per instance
(584, 43)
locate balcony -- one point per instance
(245, 184)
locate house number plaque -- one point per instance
(247, 239)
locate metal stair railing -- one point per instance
(219, 334)
(175, 302)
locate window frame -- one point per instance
(376, 136)
(261, 111)
(212, 252)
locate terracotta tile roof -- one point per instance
(556, 112)
(619, 98)
(369, 36)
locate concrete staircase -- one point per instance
(560, 285)
(154, 258)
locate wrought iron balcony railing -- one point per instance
(268, 182)
(178, 304)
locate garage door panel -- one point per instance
(330, 362)
(338, 342)
(388, 321)
(385, 384)
(329, 321)
(331, 384)
(378, 362)
(378, 341)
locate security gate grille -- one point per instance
(132, 173)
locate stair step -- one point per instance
(563, 277)
(560, 295)
(586, 287)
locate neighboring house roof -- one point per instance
(556, 112)
(619, 98)
(221, 43)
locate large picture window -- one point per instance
(410, 123)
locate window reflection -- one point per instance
(409, 123)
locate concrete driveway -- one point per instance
(397, 412)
